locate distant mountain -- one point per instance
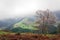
(57, 13)
(26, 23)
(4, 24)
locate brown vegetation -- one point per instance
(28, 37)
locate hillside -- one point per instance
(27, 25)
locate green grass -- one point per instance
(3, 32)
(24, 26)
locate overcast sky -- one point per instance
(12, 8)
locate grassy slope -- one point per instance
(24, 26)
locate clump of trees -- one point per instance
(58, 28)
(44, 19)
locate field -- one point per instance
(29, 36)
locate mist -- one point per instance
(15, 8)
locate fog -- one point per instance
(15, 8)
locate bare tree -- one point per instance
(44, 19)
